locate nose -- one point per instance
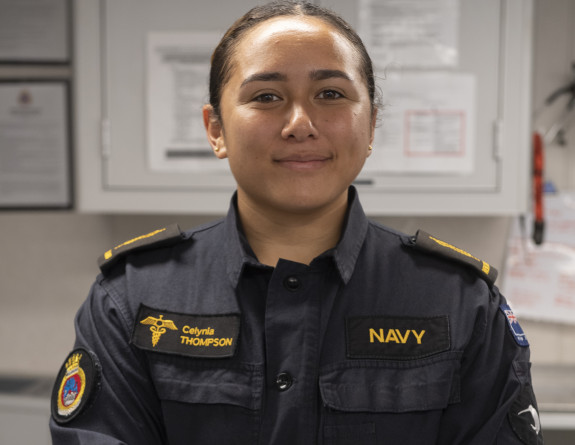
(299, 125)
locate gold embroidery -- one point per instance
(158, 327)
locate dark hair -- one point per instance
(222, 56)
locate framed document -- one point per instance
(35, 31)
(35, 153)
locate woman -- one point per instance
(294, 320)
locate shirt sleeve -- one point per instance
(122, 407)
(497, 405)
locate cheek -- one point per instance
(360, 127)
(341, 124)
(248, 125)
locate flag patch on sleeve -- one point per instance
(514, 325)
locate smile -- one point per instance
(303, 163)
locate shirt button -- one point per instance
(284, 381)
(292, 283)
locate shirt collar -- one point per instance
(237, 250)
(354, 232)
(239, 254)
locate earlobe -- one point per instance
(214, 131)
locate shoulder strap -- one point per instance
(161, 237)
(425, 242)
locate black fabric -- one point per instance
(524, 417)
(157, 238)
(461, 395)
(349, 434)
(426, 242)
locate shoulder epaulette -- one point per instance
(165, 236)
(425, 242)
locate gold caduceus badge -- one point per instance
(158, 327)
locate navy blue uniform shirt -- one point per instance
(375, 342)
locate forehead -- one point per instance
(289, 26)
(294, 34)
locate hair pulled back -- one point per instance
(221, 63)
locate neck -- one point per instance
(300, 237)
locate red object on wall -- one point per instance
(538, 167)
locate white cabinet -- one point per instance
(113, 172)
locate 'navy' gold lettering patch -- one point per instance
(200, 336)
(396, 338)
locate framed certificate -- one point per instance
(35, 31)
(35, 152)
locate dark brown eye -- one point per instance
(330, 94)
(266, 98)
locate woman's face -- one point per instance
(296, 118)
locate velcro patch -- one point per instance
(76, 385)
(514, 326)
(397, 338)
(200, 336)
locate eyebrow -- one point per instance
(276, 76)
(264, 77)
(328, 74)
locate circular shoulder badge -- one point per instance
(76, 385)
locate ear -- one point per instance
(373, 124)
(214, 131)
(372, 129)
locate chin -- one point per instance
(311, 201)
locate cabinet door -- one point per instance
(492, 64)
(117, 171)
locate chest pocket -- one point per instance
(384, 396)
(209, 402)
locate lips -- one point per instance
(306, 161)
